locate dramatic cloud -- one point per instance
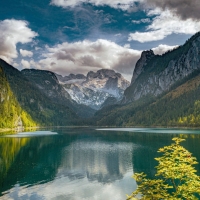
(13, 32)
(25, 53)
(122, 4)
(162, 48)
(81, 57)
(184, 8)
(25, 63)
(163, 25)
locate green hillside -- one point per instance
(41, 109)
(11, 114)
(179, 107)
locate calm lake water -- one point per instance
(82, 163)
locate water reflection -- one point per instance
(65, 163)
(97, 160)
(81, 163)
(9, 149)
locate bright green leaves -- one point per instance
(150, 189)
(178, 140)
(177, 178)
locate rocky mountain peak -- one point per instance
(96, 87)
(147, 54)
(75, 76)
(103, 73)
(40, 73)
(47, 82)
(145, 57)
(154, 75)
(64, 79)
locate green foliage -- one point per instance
(193, 118)
(177, 178)
(10, 110)
(27, 120)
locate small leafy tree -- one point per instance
(176, 176)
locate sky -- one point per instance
(78, 36)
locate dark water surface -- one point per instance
(82, 163)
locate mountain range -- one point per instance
(93, 90)
(164, 91)
(34, 97)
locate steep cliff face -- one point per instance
(96, 87)
(141, 63)
(154, 75)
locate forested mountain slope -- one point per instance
(179, 107)
(41, 109)
(11, 113)
(49, 85)
(164, 91)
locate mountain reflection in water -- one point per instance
(80, 163)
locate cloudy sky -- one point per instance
(77, 36)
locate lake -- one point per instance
(82, 163)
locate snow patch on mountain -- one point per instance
(95, 88)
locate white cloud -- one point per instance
(88, 190)
(136, 21)
(163, 25)
(184, 8)
(145, 20)
(26, 53)
(147, 36)
(13, 32)
(34, 64)
(15, 64)
(122, 4)
(127, 46)
(81, 57)
(162, 48)
(25, 64)
(38, 48)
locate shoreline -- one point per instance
(3, 130)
